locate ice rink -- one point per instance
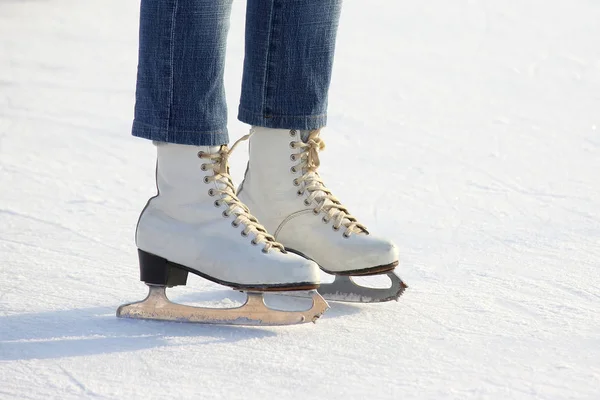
(468, 131)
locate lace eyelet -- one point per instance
(335, 228)
(206, 179)
(306, 202)
(234, 224)
(296, 183)
(293, 145)
(203, 167)
(325, 220)
(244, 234)
(299, 192)
(315, 211)
(211, 192)
(200, 154)
(345, 236)
(225, 214)
(217, 203)
(293, 170)
(293, 157)
(265, 251)
(293, 133)
(254, 242)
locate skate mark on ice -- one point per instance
(504, 183)
(59, 226)
(28, 115)
(450, 329)
(79, 384)
(13, 395)
(50, 250)
(578, 292)
(95, 330)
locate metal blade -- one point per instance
(253, 312)
(343, 288)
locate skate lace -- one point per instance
(316, 189)
(225, 188)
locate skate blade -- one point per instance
(157, 306)
(343, 288)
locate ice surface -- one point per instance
(474, 126)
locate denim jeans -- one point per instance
(180, 96)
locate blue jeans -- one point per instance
(180, 97)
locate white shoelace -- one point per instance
(313, 184)
(225, 188)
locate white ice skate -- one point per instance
(197, 224)
(284, 190)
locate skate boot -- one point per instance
(284, 190)
(197, 224)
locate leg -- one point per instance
(196, 223)
(289, 56)
(287, 72)
(180, 97)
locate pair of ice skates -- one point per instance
(197, 223)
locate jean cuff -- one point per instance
(173, 135)
(303, 122)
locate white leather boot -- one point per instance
(197, 223)
(284, 190)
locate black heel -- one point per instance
(155, 270)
